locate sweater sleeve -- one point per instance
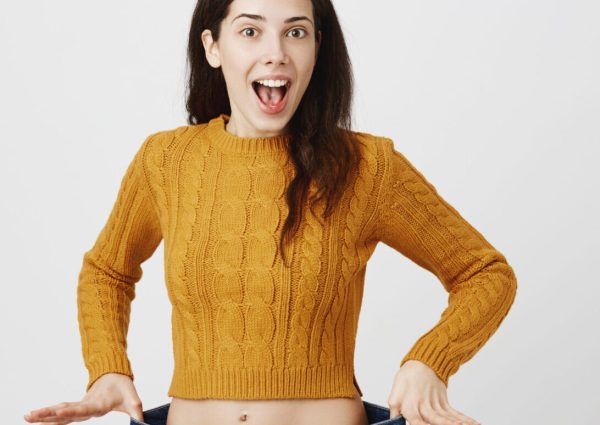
(412, 218)
(110, 269)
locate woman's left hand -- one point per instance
(420, 396)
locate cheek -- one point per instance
(305, 61)
(236, 61)
(236, 72)
(305, 71)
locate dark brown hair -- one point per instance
(323, 149)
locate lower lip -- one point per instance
(274, 109)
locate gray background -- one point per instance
(497, 103)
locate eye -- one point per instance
(243, 32)
(296, 29)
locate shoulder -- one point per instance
(373, 146)
(166, 139)
(376, 151)
(159, 145)
(384, 162)
(158, 148)
(384, 150)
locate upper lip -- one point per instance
(274, 77)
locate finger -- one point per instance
(137, 412)
(81, 409)
(48, 411)
(68, 412)
(416, 421)
(53, 420)
(414, 418)
(64, 421)
(455, 415)
(437, 416)
(77, 419)
(39, 415)
(57, 423)
(394, 412)
(464, 418)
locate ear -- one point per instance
(318, 45)
(211, 48)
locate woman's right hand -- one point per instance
(110, 392)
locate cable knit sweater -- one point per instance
(244, 324)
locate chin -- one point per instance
(271, 124)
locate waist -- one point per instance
(301, 411)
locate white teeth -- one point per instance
(272, 83)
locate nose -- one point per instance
(275, 51)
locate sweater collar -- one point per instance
(228, 142)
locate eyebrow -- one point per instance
(262, 18)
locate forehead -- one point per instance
(273, 11)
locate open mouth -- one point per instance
(271, 96)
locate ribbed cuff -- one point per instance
(430, 353)
(102, 364)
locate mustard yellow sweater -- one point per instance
(244, 324)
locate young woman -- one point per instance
(269, 207)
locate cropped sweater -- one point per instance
(246, 325)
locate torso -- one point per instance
(325, 411)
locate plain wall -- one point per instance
(497, 103)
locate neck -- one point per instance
(228, 141)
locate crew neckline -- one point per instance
(228, 142)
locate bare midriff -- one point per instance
(323, 411)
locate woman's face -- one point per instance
(276, 43)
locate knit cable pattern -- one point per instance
(417, 221)
(244, 324)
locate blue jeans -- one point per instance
(376, 415)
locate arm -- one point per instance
(415, 220)
(110, 270)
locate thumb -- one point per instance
(394, 412)
(137, 413)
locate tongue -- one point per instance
(270, 95)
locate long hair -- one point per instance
(322, 149)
